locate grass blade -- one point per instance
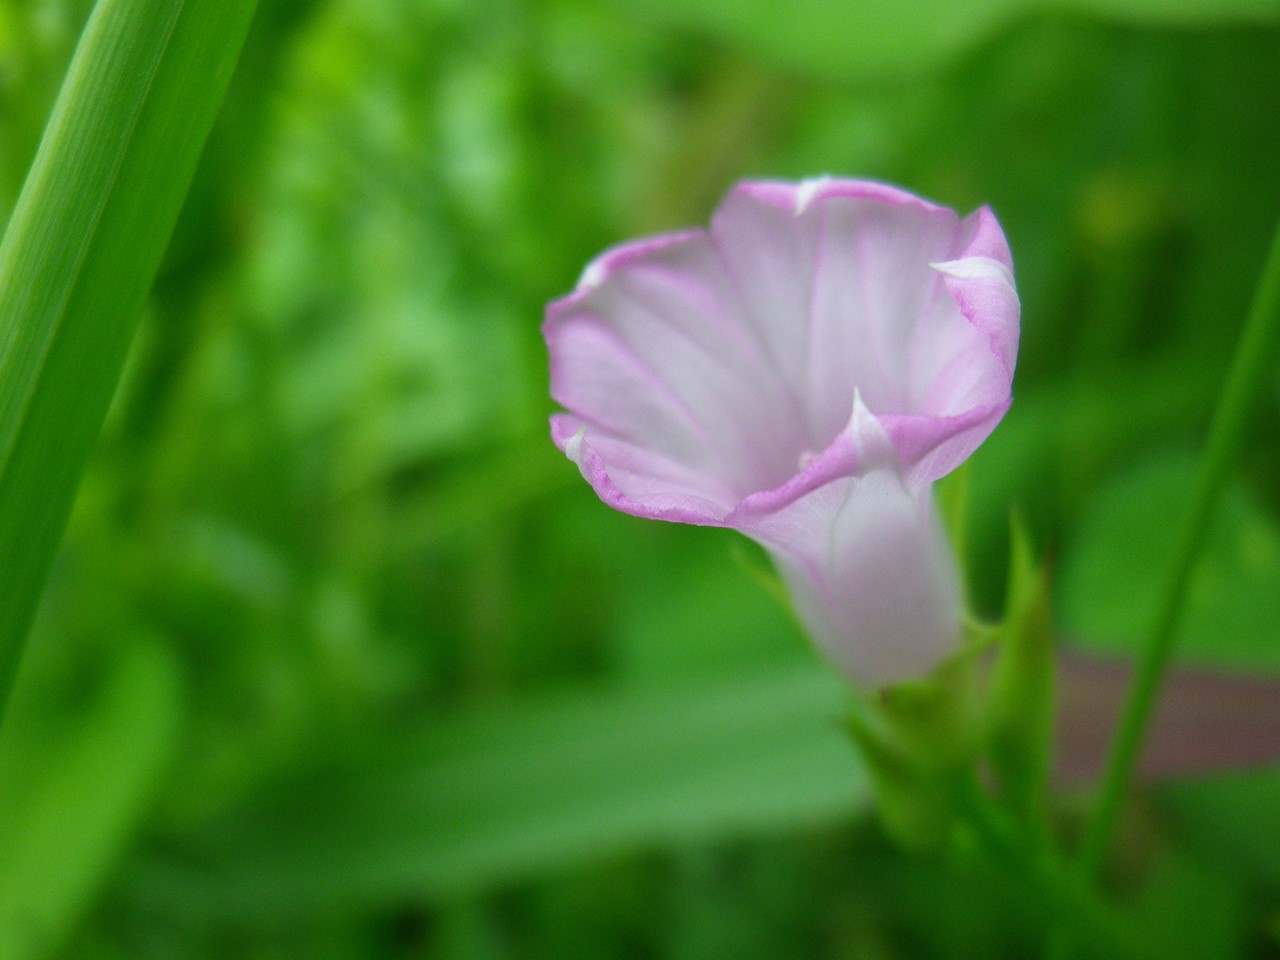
(81, 251)
(504, 793)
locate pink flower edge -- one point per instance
(979, 279)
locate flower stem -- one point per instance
(1248, 368)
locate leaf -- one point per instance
(77, 785)
(80, 253)
(1111, 571)
(509, 791)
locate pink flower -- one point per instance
(801, 372)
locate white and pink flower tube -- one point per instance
(802, 372)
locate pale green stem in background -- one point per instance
(1249, 368)
(80, 254)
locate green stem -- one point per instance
(1249, 367)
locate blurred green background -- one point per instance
(342, 659)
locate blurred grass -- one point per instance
(325, 486)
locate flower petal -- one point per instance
(845, 286)
(645, 485)
(867, 565)
(930, 447)
(650, 351)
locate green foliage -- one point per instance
(919, 741)
(1109, 590)
(79, 253)
(431, 698)
(489, 795)
(1112, 569)
(869, 42)
(1022, 702)
(57, 844)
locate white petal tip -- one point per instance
(593, 275)
(868, 434)
(806, 190)
(861, 414)
(975, 268)
(573, 446)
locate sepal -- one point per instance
(920, 740)
(1022, 702)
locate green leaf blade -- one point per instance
(503, 793)
(80, 254)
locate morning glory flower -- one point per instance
(801, 371)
